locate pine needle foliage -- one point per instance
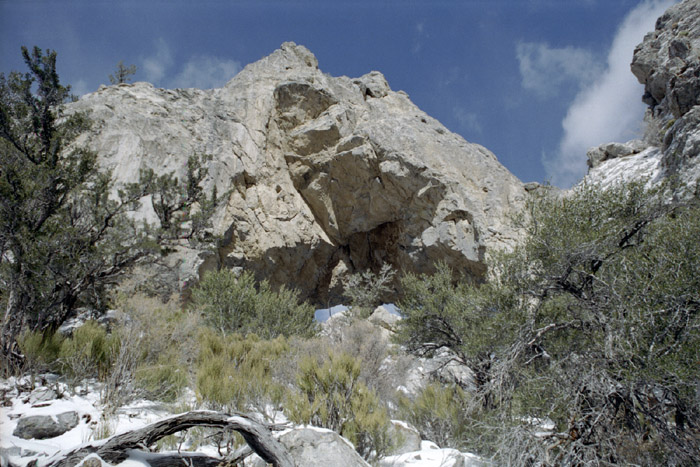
(66, 235)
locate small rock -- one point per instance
(382, 317)
(92, 461)
(42, 395)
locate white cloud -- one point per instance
(79, 88)
(205, 72)
(610, 108)
(156, 66)
(545, 70)
(200, 71)
(418, 38)
(467, 120)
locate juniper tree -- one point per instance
(64, 232)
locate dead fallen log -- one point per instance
(116, 448)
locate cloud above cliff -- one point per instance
(609, 108)
(205, 72)
(199, 71)
(545, 69)
(156, 65)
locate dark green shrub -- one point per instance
(234, 304)
(367, 289)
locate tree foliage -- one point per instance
(65, 232)
(592, 324)
(123, 73)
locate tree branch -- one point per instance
(115, 449)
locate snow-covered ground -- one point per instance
(55, 398)
(21, 398)
(644, 165)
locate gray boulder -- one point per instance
(315, 447)
(42, 395)
(608, 151)
(405, 437)
(45, 426)
(385, 319)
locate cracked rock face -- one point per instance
(668, 64)
(326, 175)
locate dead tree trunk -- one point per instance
(114, 449)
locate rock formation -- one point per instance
(667, 63)
(324, 175)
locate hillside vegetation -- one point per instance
(584, 342)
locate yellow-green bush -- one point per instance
(331, 395)
(41, 349)
(438, 413)
(89, 352)
(164, 380)
(235, 372)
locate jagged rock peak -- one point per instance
(325, 175)
(289, 59)
(667, 63)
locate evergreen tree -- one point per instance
(122, 74)
(64, 234)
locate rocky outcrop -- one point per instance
(324, 175)
(605, 152)
(667, 62)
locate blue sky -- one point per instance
(535, 81)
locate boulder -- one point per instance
(405, 438)
(45, 426)
(41, 395)
(608, 151)
(384, 318)
(324, 176)
(317, 447)
(444, 366)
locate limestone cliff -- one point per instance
(667, 63)
(326, 175)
